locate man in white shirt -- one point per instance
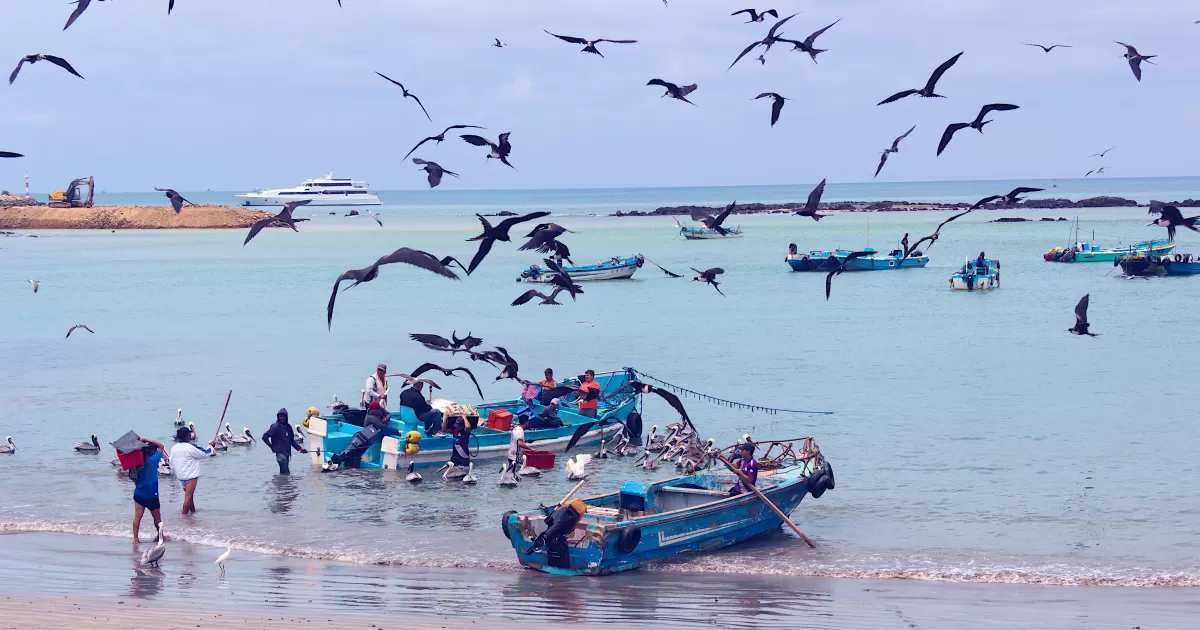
(185, 462)
(377, 387)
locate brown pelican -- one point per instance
(155, 553)
(9, 448)
(413, 476)
(89, 447)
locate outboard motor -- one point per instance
(350, 457)
(559, 525)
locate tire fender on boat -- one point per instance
(829, 472)
(628, 539)
(504, 523)
(1178, 258)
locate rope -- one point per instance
(719, 401)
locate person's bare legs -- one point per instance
(138, 510)
(189, 492)
(157, 514)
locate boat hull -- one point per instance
(702, 234)
(974, 277)
(614, 269)
(828, 261)
(1177, 265)
(264, 199)
(1086, 252)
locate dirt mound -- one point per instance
(128, 218)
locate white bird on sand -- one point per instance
(507, 477)
(245, 439)
(10, 448)
(470, 476)
(34, 283)
(155, 553)
(527, 470)
(577, 468)
(412, 476)
(89, 447)
(222, 558)
(375, 215)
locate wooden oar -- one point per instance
(222, 420)
(572, 492)
(746, 482)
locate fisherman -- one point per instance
(145, 493)
(516, 444)
(548, 418)
(979, 261)
(412, 398)
(589, 394)
(185, 462)
(281, 439)
(377, 387)
(373, 425)
(376, 417)
(746, 463)
(460, 455)
(792, 250)
(548, 382)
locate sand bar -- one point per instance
(128, 218)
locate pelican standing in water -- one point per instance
(453, 472)
(470, 476)
(245, 439)
(10, 448)
(413, 476)
(527, 470)
(155, 553)
(507, 477)
(178, 418)
(89, 447)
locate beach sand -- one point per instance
(128, 218)
(52, 580)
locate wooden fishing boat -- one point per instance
(702, 233)
(1149, 265)
(977, 275)
(817, 260)
(332, 435)
(646, 522)
(615, 268)
(1089, 252)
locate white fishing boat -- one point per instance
(324, 191)
(615, 268)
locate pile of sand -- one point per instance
(128, 218)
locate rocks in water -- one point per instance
(352, 213)
(892, 206)
(502, 213)
(18, 201)
(1012, 220)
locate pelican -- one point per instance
(413, 476)
(507, 476)
(527, 470)
(222, 558)
(192, 428)
(453, 472)
(89, 447)
(10, 448)
(577, 468)
(245, 439)
(164, 468)
(654, 442)
(470, 476)
(155, 553)
(178, 418)
(300, 436)
(228, 434)
(602, 453)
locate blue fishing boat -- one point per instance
(646, 522)
(817, 260)
(405, 441)
(615, 268)
(703, 233)
(977, 274)
(1148, 265)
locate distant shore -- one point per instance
(903, 206)
(128, 218)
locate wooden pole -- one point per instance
(746, 482)
(222, 420)
(572, 492)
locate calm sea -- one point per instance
(974, 439)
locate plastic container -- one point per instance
(500, 420)
(129, 460)
(542, 460)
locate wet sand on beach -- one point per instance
(128, 218)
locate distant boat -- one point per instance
(1148, 265)
(324, 191)
(828, 261)
(700, 233)
(615, 268)
(977, 276)
(1089, 252)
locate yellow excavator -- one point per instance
(72, 197)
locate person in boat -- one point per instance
(792, 250)
(548, 418)
(377, 387)
(589, 394)
(281, 439)
(746, 463)
(979, 261)
(412, 398)
(516, 444)
(185, 463)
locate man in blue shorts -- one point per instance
(145, 494)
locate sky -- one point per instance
(244, 94)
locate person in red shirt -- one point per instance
(589, 394)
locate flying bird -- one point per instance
(375, 215)
(561, 279)
(72, 329)
(1102, 153)
(776, 106)
(1049, 48)
(284, 216)
(709, 276)
(433, 171)
(525, 297)
(1081, 322)
(10, 154)
(839, 269)
(426, 367)
(441, 137)
(1135, 60)
(499, 232)
(757, 16)
(767, 41)
(714, 223)
(510, 365)
(499, 151)
(466, 343)
(927, 91)
(547, 230)
(35, 284)
(1008, 199)
(433, 342)
(546, 241)
(447, 260)
(177, 199)
(807, 44)
(407, 94)
(589, 45)
(498, 43)
(932, 238)
(32, 59)
(670, 274)
(813, 203)
(81, 6)
(894, 149)
(976, 124)
(1170, 217)
(674, 91)
(1095, 171)
(414, 257)
(762, 59)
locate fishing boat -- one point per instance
(977, 274)
(1149, 265)
(647, 522)
(615, 268)
(702, 233)
(817, 260)
(1089, 252)
(399, 446)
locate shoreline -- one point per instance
(1102, 201)
(200, 217)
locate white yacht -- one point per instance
(325, 191)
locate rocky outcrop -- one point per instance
(10, 201)
(888, 206)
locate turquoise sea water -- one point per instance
(974, 439)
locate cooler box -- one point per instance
(129, 460)
(129, 450)
(542, 460)
(500, 420)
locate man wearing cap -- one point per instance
(748, 465)
(377, 387)
(185, 463)
(548, 418)
(281, 439)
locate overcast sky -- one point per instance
(239, 94)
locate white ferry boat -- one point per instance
(326, 191)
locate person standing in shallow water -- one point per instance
(281, 439)
(145, 494)
(185, 463)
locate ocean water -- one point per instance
(973, 438)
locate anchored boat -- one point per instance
(828, 261)
(331, 435)
(977, 274)
(645, 522)
(615, 268)
(701, 233)
(1148, 265)
(1088, 252)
